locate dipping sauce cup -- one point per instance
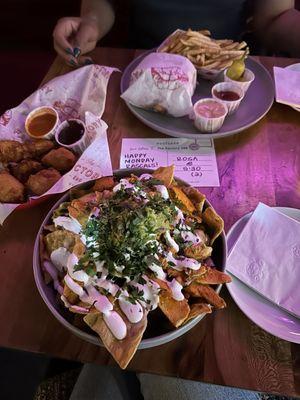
(209, 115)
(229, 93)
(72, 135)
(244, 82)
(42, 122)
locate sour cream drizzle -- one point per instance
(163, 191)
(183, 262)
(189, 236)
(68, 223)
(52, 271)
(171, 242)
(59, 257)
(134, 312)
(123, 184)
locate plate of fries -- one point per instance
(256, 103)
(106, 286)
(209, 56)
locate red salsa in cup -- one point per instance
(227, 95)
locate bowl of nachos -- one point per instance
(132, 261)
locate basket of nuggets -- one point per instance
(31, 168)
(133, 260)
(52, 140)
(209, 56)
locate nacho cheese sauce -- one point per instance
(210, 109)
(154, 234)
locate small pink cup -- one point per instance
(204, 118)
(78, 146)
(42, 122)
(245, 82)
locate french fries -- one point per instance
(204, 51)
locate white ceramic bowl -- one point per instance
(245, 82)
(39, 111)
(232, 105)
(208, 124)
(49, 294)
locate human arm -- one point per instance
(277, 24)
(75, 36)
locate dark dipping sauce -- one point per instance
(41, 124)
(71, 133)
(226, 95)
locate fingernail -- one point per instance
(69, 51)
(76, 52)
(72, 62)
(88, 61)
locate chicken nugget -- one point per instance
(11, 190)
(24, 169)
(11, 150)
(42, 181)
(38, 147)
(61, 159)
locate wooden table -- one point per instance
(226, 348)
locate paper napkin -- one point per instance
(266, 257)
(287, 86)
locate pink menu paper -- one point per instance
(266, 257)
(287, 86)
(78, 94)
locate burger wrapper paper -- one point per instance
(287, 85)
(79, 94)
(266, 257)
(163, 82)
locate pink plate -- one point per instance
(261, 311)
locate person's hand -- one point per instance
(73, 37)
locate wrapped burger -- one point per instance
(164, 83)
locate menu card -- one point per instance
(266, 257)
(194, 160)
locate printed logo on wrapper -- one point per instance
(255, 270)
(169, 78)
(68, 109)
(296, 250)
(5, 118)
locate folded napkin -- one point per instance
(287, 86)
(266, 257)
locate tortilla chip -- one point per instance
(178, 195)
(198, 309)
(80, 209)
(214, 223)
(195, 196)
(121, 350)
(79, 248)
(193, 274)
(207, 293)
(199, 251)
(165, 174)
(176, 311)
(70, 296)
(180, 276)
(104, 183)
(61, 238)
(213, 277)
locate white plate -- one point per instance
(261, 311)
(294, 67)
